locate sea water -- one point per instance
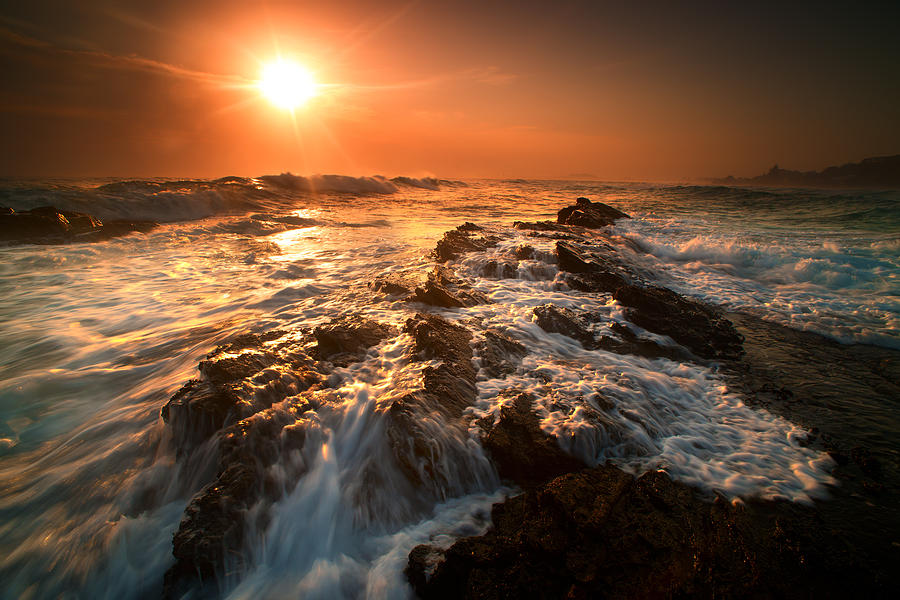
(96, 337)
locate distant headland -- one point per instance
(881, 171)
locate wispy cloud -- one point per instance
(130, 62)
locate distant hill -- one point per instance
(881, 171)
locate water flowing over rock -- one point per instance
(522, 452)
(589, 214)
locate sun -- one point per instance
(287, 84)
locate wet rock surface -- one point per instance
(602, 533)
(461, 240)
(577, 531)
(48, 225)
(499, 353)
(585, 213)
(346, 339)
(442, 288)
(699, 327)
(847, 396)
(522, 452)
(219, 397)
(210, 538)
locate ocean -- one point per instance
(97, 337)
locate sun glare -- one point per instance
(287, 84)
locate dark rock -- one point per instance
(469, 227)
(625, 341)
(600, 533)
(447, 390)
(443, 288)
(589, 214)
(459, 241)
(538, 226)
(494, 269)
(522, 452)
(398, 283)
(500, 354)
(48, 225)
(555, 319)
(198, 410)
(696, 326)
(204, 406)
(599, 269)
(351, 336)
(210, 537)
(524, 252)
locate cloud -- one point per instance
(130, 62)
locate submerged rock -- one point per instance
(698, 327)
(601, 533)
(48, 225)
(589, 214)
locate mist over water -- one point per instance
(94, 338)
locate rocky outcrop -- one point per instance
(210, 537)
(442, 288)
(585, 213)
(698, 327)
(461, 240)
(596, 268)
(601, 533)
(499, 354)
(448, 388)
(48, 225)
(345, 340)
(438, 287)
(522, 452)
(220, 397)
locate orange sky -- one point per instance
(454, 89)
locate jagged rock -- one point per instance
(694, 325)
(398, 283)
(443, 288)
(521, 451)
(210, 537)
(204, 406)
(602, 533)
(524, 252)
(494, 269)
(556, 319)
(349, 336)
(459, 241)
(598, 269)
(500, 354)
(589, 214)
(48, 225)
(447, 390)
(538, 226)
